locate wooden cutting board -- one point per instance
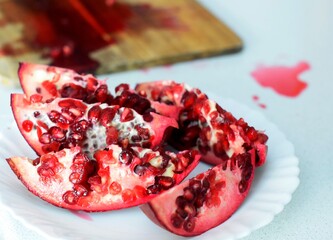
(104, 36)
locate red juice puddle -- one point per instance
(282, 79)
(256, 100)
(82, 215)
(68, 31)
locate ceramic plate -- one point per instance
(272, 189)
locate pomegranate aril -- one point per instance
(126, 115)
(50, 88)
(35, 98)
(128, 195)
(80, 127)
(111, 135)
(57, 134)
(107, 116)
(164, 181)
(70, 197)
(125, 157)
(45, 138)
(176, 221)
(94, 113)
(101, 93)
(122, 87)
(27, 125)
(190, 210)
(115, 188)
(189, 225)
(242, 186)
(80, 190)
(54, 116)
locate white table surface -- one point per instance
(275, 33)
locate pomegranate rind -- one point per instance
(100, 195)
(161, 209)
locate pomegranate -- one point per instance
(66, 122)
(52, 82)
(205, 201)
(103, 152)
(116, 178)
(205, 125)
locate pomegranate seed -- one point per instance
(189, 225)
(188, 194)
(115, 188)
(143, 132)
(219, 151)
(80, 127)
(126, 115)
(125, 157)
(42, 124)
(182, 213)
(52, 147)
(36, 114)
(36, 162)
(75, 177)
(91, 84)
(164, 181)
(54, 116)
(153, 189)
(122, 87)
(80, 190)
(219, 185)
(191, 210)
(27, 125)
(176, 221)
(101, 93)
(128, 195)
(181, 201)
(140, 191)
(57, 134)
(107, 116)
(50, 88)
(252, 134)
(36, 98)
(94, 113)
(111, 135)
(242, 186)
(104, 156)
(38, 90)
(45, 138)
(70, 197)
(148, 117)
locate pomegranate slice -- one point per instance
(65, 122)
(205, 201)
(52, 82)
(119, 178)
(203, 124)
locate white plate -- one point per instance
(271, 191)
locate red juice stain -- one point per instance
(256, 100)
(69, 31)
(283, 80)
(82, 215)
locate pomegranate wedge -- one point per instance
(66, 122)
(52, 82)
(119, 178)
(205, 201)
(205, 125)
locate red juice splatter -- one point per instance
(68, 31)
(256, 100)
(283, 80)
(82, 215)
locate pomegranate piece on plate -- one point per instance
(52, 82)
(65, 122)
(205, 125)
(205, 201)
(117, 178)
